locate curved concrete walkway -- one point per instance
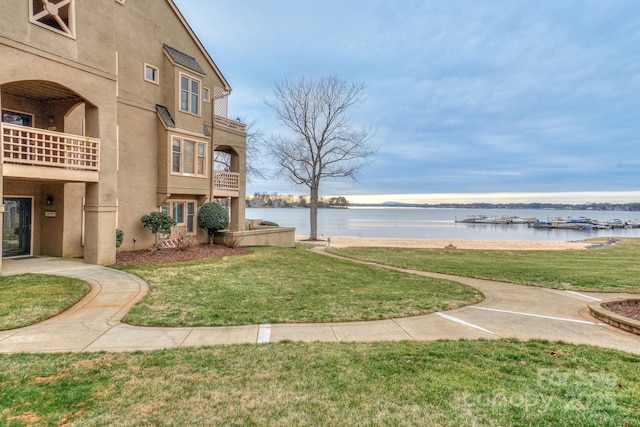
(94, 324)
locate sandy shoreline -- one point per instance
(346, 241)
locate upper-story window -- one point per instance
(55, 15)
(188, 157)
(151, 74)
(189, 94)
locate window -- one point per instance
(189, 95)
(17, 118)
(183, 212)
(188, 163)
(191, 214)
(54, 15)
(177, 212)
(201, 160)
(151, 74)
(176, 160)
(188, 157)
(205, 94)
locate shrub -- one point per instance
(213, 217)
(269, 223)
(119, 237)
(158, 222)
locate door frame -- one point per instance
(31, 219)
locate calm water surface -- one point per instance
(427, 223)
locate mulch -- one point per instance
(631, 311)
(161, 256)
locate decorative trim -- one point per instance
(57, 16)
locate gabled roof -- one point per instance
(183, 59)
(199, 44)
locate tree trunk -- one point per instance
(313, 212)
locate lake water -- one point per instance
(436, 223)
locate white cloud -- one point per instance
(465, 96)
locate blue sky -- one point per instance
(467, 97)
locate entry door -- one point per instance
(16, 227)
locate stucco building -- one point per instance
(111, 109)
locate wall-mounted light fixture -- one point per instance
(49, 200)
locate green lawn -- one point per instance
(446, 383)
(612, 269)
(30, 298)
(277, 285)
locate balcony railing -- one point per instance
(27, 146)
(229, 124)
(226, 184)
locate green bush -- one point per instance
(119, 237)
(269, 223)
(158, 222)
(212, 217)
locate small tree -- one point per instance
(158, 222)
(213, 217)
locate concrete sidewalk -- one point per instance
(94, 324)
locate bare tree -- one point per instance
(255, 142)
(322, 142)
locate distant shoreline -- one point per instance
(620, 207)
(552, 206)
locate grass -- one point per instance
(277, 285)
(30, 298)
(446, 383)
(607, 269)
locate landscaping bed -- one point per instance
(625, 309)
(162, 256)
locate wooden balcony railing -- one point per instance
(29, 146)
(229, 124)
(226, 184)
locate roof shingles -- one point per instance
(183, 59)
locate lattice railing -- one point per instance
(226, 181)
(38, 147)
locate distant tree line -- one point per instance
(264, 199)
(629, 207)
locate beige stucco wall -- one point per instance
(145, 143)
(33, 53)
(72, 243)
(283, 237)
(104, 65)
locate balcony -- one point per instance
(41, 154)
(225, 123)
(226, 184)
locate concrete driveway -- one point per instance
(509, 310)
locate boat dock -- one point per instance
(580, 224)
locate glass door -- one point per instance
(16, 227)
